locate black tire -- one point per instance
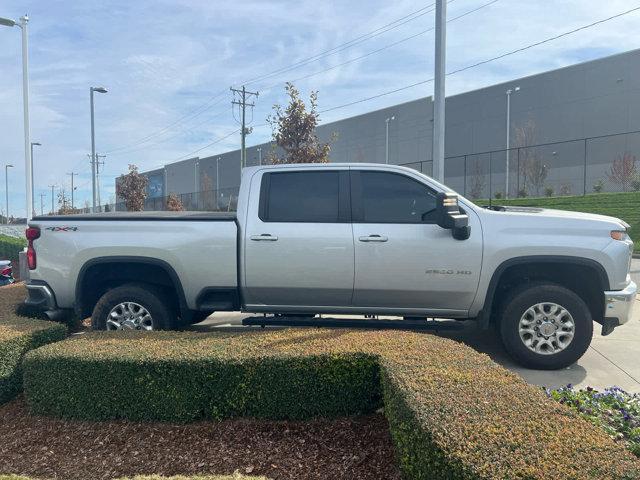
(162, 315)
(520, 300)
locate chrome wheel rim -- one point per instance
(129, 316)
(546, 328)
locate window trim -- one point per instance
(344, 196)
(357, 205)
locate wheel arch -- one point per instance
(542, 263)
(83, 301)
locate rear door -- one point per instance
(402, 258)
(299, 244)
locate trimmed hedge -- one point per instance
(453, 413)
(17, 337)
(10, 247)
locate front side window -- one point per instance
(302, 197)
(394, 198)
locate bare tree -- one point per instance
(133, 189)
(64, 203)
(294, 131)
(206, 192)
(477, 180)
(623, 170)
(531, 169)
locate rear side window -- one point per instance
(393, 198)
(312, 197)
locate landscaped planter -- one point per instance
(453, 413)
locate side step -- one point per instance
(431, 325)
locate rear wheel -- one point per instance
(545, 326)
(133, 307)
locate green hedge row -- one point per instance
(453, 413)
(17, 337)
(10, 247)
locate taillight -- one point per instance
(6, 272)
(32, 233)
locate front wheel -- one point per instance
(545, 326)
(132, 307)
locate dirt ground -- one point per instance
(343, 448)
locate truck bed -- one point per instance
(142, 216)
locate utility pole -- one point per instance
(42, 195)
(244, 131)
(53, 210)
(386, 142)
(93, 143)
(72, 175)
(439, 90)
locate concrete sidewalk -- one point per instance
(611, 360)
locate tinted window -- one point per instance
(393, 198)
(303, 197)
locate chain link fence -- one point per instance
(574, 167)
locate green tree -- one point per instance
(294, 131)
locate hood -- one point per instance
(562, 215)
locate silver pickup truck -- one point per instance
(344, 239)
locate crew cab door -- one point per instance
(402, 258)
(298, 240)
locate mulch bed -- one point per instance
(344, 448)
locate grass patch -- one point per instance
(158, 477)
(453, 413)
(18, 336)
(625, 206)
(10, 247)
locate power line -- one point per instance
(386, 47)
(344, 46)
(192, 114)
(191, 154)
(483, 62)
(366, 36)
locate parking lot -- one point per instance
(611, 360)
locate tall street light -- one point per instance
(6, 188)
(508, 93)
(386, 143)
(7, 22)
(93, 144)
(33, 202)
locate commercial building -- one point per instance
(566, 128)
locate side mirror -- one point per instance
(450, 217)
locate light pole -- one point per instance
(259, 155)
(7, 22)
(439, 90)
(386, 143)
(508, 92)
(217, 182)
(33, 202)
(6, 188)
(93, 144)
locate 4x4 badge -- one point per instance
(62, 229)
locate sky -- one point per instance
(168, 66)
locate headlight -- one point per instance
(620, 235)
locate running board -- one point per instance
(430, 325)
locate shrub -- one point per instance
(598, 186)
(453, 413)
(18, 336)
(548, 191)
(498, 195)
(10, 247)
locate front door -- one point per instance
(402, 258)
(299, 245)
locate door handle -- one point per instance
(373, 238)
(264, 237)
